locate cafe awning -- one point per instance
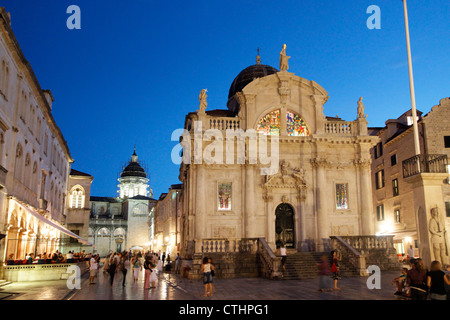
(52, 224)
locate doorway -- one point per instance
(284, 226)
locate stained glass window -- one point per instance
(224, 196)
(270, 124)
(295, 125)
(341, 196)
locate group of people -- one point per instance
(419, 283)
(122, 262)
(55, 256)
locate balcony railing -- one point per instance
(425, 163)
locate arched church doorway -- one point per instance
(284, 226)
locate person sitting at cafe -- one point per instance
(30, 258)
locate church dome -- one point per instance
(133, 169)
(248, 75)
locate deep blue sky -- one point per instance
(135, 69)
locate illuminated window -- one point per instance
(341, 196)
(224, 196)
(395, 191)
(270, 124)
(77, 198)
(397, 217)
(380, 212)
(295, 125)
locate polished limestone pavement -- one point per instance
(169, 287)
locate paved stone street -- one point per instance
(170, 288)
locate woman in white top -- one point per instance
(206, 268)
(93, 266)
(283, 254)
(159, 263)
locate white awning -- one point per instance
(52, 224)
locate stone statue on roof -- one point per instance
(284, 65)
(361, 113)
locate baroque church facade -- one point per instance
(322, 182)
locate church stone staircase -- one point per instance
(304, 265)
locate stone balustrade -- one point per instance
(224, 123)
(340, 128)
(41, 272)
(229, 246)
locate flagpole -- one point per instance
(411, 84)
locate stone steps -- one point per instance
(304, 265)
(4, 283)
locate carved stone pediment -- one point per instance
(286, 177)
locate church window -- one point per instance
(270, 124)
(77, 198)
(224, 196)
(295, 125)
(342, 196)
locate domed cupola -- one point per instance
(246, 76)
(133, 179)
(133, 169)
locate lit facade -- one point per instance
(322, 186)
(34, 158)
(394, 189)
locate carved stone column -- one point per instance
(249, 201)
(200, 231)
(270, 220)
(365, 195)
(320, 164)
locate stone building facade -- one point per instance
(318, 186)
(165, 222)
(120, 223)
(34, 158)
(402, 204)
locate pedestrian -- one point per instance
(137, 267)
(177, 263)
(153, 274)
(93, 267)
(148, 271)
(283, 253)
(159, 264)
(213, 274)
(126, 266)
(416, 278)
(106, 263)
(410, 252)
(324, 279)
(335, 258)
(112, 268)
(206, 268)
(436, 280)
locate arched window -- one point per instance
(77, 197)
(270, 124)
(295, 125)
